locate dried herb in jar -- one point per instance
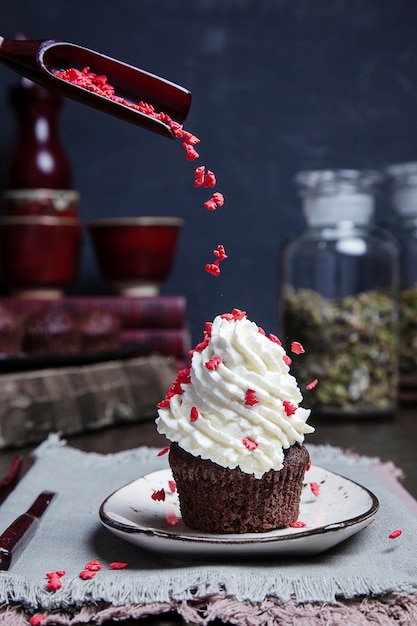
(350, 346)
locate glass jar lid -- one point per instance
(333, 196)
(403, 174)
(339, 181)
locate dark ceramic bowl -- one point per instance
(135, 254)
(39, 255)
(54, 202)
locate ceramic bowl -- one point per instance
(39, 254)
(135, 254)
(54, 202)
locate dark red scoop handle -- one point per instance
(18, 534)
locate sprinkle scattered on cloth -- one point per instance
(367, 573)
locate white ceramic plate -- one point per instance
(341, 509)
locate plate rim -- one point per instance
(231, 539)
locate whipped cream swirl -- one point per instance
(237, 404)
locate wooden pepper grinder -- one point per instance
(38, 159)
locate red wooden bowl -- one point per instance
(39, 255)
(135, 254)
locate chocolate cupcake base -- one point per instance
(221, 500)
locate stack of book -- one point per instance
(158, 323)
(72, 397)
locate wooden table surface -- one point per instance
(390, 440)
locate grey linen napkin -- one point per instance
(70, 535)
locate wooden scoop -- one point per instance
(38, 60)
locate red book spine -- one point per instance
(166, 341)
(167, 311)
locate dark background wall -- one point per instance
(278, 86)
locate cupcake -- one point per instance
(52, 332)
(11, 331)
(99, 331)
(236, 431)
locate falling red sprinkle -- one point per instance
(163, 451)
(93, 566)
(87, 574)
(275, 339)
(298, 524)
(311, 385)
(287, 360)
(315, 488)
(220, 253)
(199, 176)
(249, 443)
(289, 408)
(211, 268)
(213, 363)
(118, 565)
(297, 348)
(218, 198)
(172, 486)
(158, 496)
(209, 180)
(193, 414)
(250, 397)
(191, 152)
(38, 619)
(395, 534)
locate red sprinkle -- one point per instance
(287, 360)
(172, 486)
(191, 152)
(87, 574)
(250, 397)
(203, 179)
(212, 268)
(54, 580)
(163, 451)
(395, 534)
(158, 496)
(171, 518)
(315, 488)
(199, 176)
(274, 338)
(163, 404)
(298, 524)
(93, 566)
(297, 348)
(235, 315)
(118, 565)
(214, 363)
(308, 466)
(289, 408)
(249, 443)
(193, 414)
(38, 619)
(220, 253)
(312, 384)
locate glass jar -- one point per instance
(339, 297)
(403, 193)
